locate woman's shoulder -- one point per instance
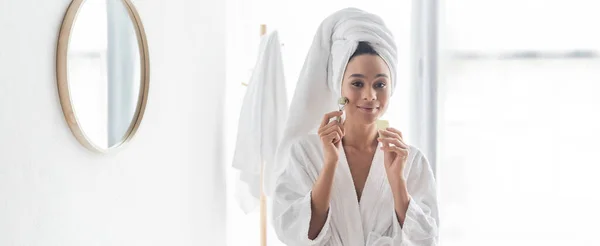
(306, 149)
(415, 154)
(306, 141)
(417, 161)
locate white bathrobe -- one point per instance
(372, 221)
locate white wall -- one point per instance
(164, 188)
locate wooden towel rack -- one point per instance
(263, 198)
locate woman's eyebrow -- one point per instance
(358, 75)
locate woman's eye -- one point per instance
(380, 85)
(357, 83)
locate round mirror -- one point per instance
(103, 71)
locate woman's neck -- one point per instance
(360, 136)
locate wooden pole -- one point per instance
(263, 211)
(263, 198)
(263, 29)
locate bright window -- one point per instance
(519, 103)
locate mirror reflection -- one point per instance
(103, 66)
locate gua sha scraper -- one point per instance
(382, 125)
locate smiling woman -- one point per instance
(344, 185)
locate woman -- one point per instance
(348, 183)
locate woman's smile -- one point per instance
(368, 109)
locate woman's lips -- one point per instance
(368, 109)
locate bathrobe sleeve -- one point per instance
(292, 200)
(420, 226)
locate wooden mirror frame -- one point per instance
(63, 85)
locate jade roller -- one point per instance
(342, 103)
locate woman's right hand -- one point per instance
(331, 134)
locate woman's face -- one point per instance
(366, 84)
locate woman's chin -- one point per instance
(370, 116)
(369, 119)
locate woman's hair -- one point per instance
(362, 49)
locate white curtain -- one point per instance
(424, 79)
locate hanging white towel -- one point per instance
(261, 121)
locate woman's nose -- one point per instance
(369, 95)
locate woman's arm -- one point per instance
(293, 201)
(416, 206)
(401, 200)
(320, 197)
(330, 134)
(415, 197)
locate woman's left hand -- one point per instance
(395, 154)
